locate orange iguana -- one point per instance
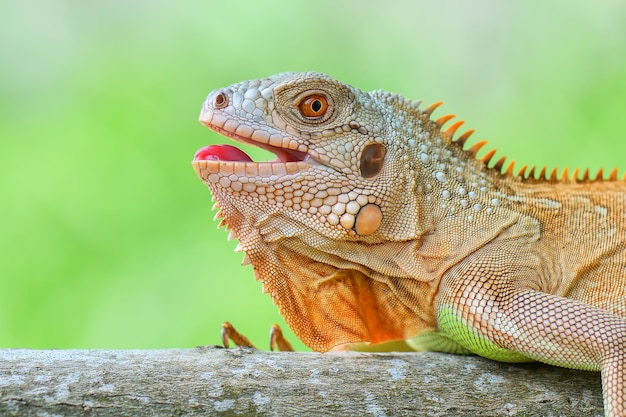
(375, 226)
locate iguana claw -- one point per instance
(277, 340)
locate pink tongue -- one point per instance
(221, 153)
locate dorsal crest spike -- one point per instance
(531, 173)
(487, 157)
(463, 138)
(586, 175)
(449, 133)
(542, 173)
(565, 174)
(443, 119)
(613, 175)
(499, 164)
(599, 175)
(554, 175)
(522, 171)
(509, 169)
(473, 150)
(431, 108)
(575, 174)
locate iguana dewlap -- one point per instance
(374, 225)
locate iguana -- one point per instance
(375, 226)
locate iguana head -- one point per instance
(333, 225)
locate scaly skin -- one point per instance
(375, 226)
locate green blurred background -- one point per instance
(106, 235)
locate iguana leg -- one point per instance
(277, 340)
(493, 318)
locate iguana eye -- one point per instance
(313, 106)
(372, 160)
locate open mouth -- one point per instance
(234, 154)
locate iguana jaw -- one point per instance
(283, 154)
(228, 160)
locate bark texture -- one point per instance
(225, 382)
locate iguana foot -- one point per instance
(229, 332)
(277, 340)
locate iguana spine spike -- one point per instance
(542, 173)
(586, 175)
(565, 174)
(443, 119)
(509, 169)
(487, 157)
(449, 133)
(531, 173)
(613, 175)
(522, 171)
(431, 108)
(463, 138)
(473, 150)
(575, 174)
(599, 175)
(554, 174)
(499, 164)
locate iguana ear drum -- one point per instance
(372, 160)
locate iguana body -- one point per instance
(373, 225)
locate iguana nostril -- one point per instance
(220, 101)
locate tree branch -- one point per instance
(213, 381)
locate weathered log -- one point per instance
(212, 381)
